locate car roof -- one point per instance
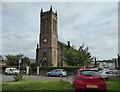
(58, 69)
(11, 68)
(87, 69)
(110, 70)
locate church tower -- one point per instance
(46, 52)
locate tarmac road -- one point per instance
(6, 78)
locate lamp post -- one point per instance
(95, 61)
(20, 61)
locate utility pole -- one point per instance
(118, 61)
(95, 62)
(20, 60)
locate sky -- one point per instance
(94, 24)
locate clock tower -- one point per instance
(46, 52)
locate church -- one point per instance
(49, 51)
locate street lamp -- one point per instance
(20, 61)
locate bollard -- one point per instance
(27, 70)
(38, 70)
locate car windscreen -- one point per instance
(89, 73)
(14, 69)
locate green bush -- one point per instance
(17, 77)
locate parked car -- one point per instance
(109, 73)
(57, 72)
(11, 70)
(87, 79)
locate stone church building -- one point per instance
(49, 51)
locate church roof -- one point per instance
(63, 44)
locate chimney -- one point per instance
(69, 44)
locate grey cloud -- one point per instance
(91, 23)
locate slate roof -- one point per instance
(63, 44)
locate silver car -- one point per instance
(109, 73)
(57, 72)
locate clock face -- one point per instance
(45, 40)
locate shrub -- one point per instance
(17, 77)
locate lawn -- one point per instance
(37, 85)
(113, 85)
(53, 86)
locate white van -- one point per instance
(11, 70)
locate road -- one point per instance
(6, 78)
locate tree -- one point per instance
(79, 56)
(25, 61)
(13, 60)
(10, 60)
(69, 56)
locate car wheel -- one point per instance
(106, 79)
(73, 83)
(49, 75)
(61, 75)
(77, 90)
(5, 73)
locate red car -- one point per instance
(86, 79)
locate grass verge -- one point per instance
(37, 85)
(113, 85)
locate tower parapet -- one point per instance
(48, 12)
